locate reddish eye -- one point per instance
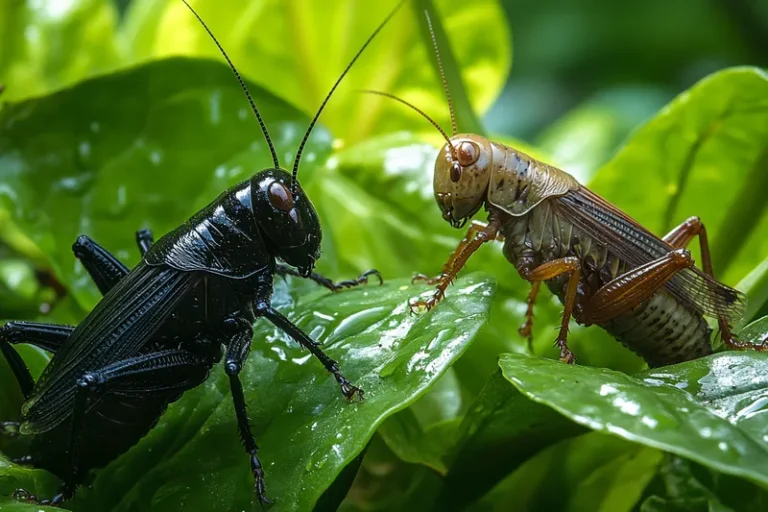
(455, 172)
(280, 196)
(468, 153)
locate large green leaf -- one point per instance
(307, 432)
(704, 154)
(44, 45)
(709, 410)
(145, 147)
(592, 472)
(297, 49)
(503, 429)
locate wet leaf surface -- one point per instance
(306, 430)
(709, 410)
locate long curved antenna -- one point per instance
(442, 73)
(328, 97)
(423, 114)
(242, 85)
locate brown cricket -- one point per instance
(605, 267)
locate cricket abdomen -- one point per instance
(661, 330)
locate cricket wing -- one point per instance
(118, 327)
(636, 245)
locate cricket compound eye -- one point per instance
(280, 197)
(468, 153)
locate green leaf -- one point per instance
(306, 431)
(139, 148)
(13, 477)
(690, 487)
(502, 430)
(424, 433)
(707, 147)
(447, 68)
(755, 285)
(707, 410)
(592, 472)
(297, 50)
(46, 45)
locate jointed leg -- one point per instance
(237, 352)
(526, 330)
(103, 267)
(680, 237)
(550, 270)
(477, 235)
(329, 283)
(165, 372)
(49, 337)
(300, 337)
(474, 227)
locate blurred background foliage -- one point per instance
(150, 145)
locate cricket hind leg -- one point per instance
(682, 235)
(162, 373)
(334, 286)
(103, 266)
(49, 337)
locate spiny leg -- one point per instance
(282, 323)
(49, 337)
(474, 227)
(680, 237)
(550, 270)
(166, 372)
(103, 267)
(237, 352)
(481, 235)
(526, 330)
(320, 279)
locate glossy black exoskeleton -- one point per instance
(162, 326)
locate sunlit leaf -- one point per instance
(298, 49)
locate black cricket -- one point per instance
(161, 327)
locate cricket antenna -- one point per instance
(442, 73)
(328, 97)
(242, 85)
(418, 110)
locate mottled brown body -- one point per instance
(661, 330)
(606, 268)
